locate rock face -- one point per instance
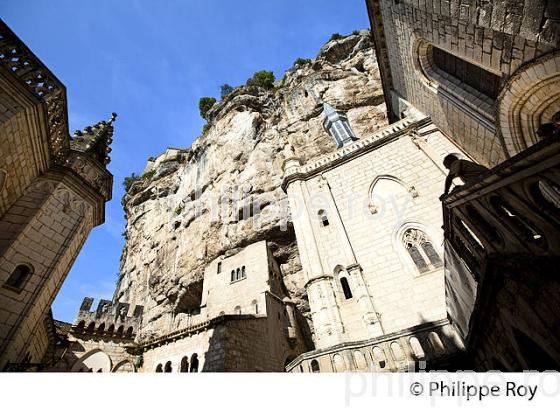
(224, 193)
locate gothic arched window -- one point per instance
(19, 276)
(346, 288)
(421, 250)
(232, 275)
(168, 368)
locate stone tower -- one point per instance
(53, 191)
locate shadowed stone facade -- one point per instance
(52, 193)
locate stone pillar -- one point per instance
(359, 288)
(322, 301)
(365, 301)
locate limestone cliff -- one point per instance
(188, 207)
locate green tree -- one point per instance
(301, 61)
(335, 36)
(225, 89)
(128, 181)
(204, 105)
(264, 79)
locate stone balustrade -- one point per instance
(426, 346)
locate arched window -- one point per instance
(194, 363)
(91, 327)
(256, 306)
(101, 328)
(238, 274)
(168, 367)
(345, 288)
(232, 275)
(315, 366)
(237, 310)
(120, 330)
(129, 331)
(81, 325)
(19, 276)
(470, 86)
(323, 218)
(467, 73)
(111, 329)
(159, 368)
(185, 365)
(421, 250)
(243, 271)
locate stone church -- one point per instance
(303, 230)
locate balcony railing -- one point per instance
(514, 209)
(511, 213)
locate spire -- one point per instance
(328, 110)
(95, 140)
(336, 123)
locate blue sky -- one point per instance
(150, 61)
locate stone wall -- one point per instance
(497, 36)
(364, 237)
(46, 226)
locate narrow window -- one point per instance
(185, 365)
(232, 275)
(168, 368)
(129, 331)
(91, 327)
(19, 276)
(323, 218)
(432, 255)
(101, 328)
(472, 75)
(345, 288)
(238, 274)
(219, 270)
(194, 363)
(159, 368)
(81, 325)
(315, 366)
(243, 271)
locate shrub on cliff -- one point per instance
(225, 89)
(128, 181)
(335, 36)
(301, 61)
(204, 105)
(264, 79)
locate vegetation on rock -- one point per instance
(264, 79)
(204, 105)
(225, 89)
